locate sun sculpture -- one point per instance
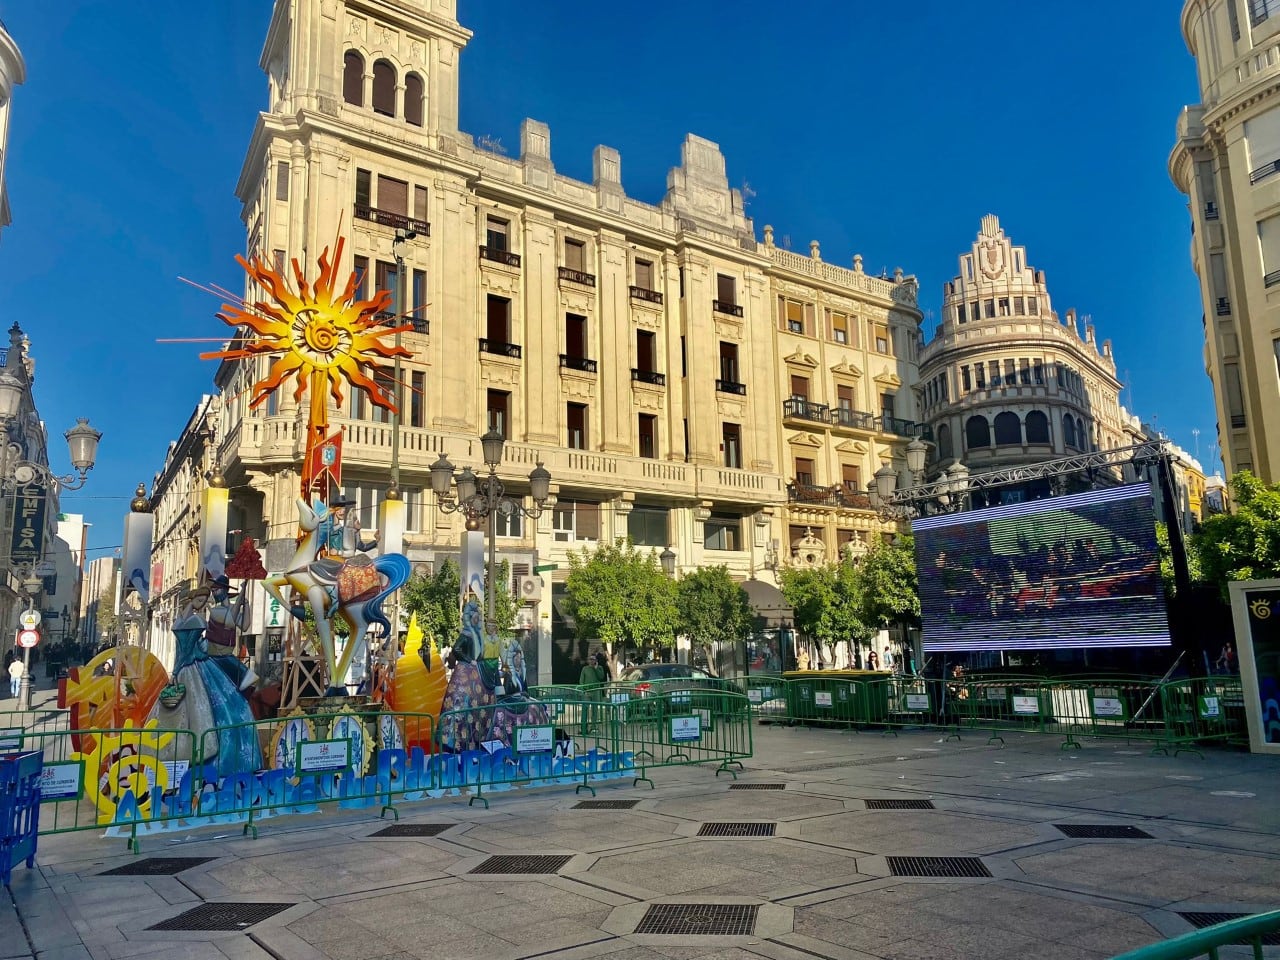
(323, 338)
(317, 335)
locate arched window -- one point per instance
(944, 443)
(1037, 427)
(413, 90)
(353, 79)
(1069, 431)
(977, 432)
(1008, 430)
(384, 88)
(1082, 435)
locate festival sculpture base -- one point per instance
(336, 703)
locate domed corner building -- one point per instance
(1004, 382)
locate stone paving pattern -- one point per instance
(822, 882)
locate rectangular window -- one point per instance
(988, 308)
(1262, 134)
(575, 336)
(1024, 372)
(839, 327)
(364, 188)
(576, 423)
(881, 334)
(575, 255)
(495, 235)
(722, 531)
(960, 313)
(648, 526)
(393, 195)
(420, 203)
(799, 388)
(509, 526)
(731, 442)
(1004, 306)
(980, 375)
(418, 399)
(973, 311)
(728, 362)
(844, 398)
(1235, 395)
(498, 319)
(498, 409)
(419, 305)
(1269, 241)
(282, 179)
(361, 267)
(1019, 306)
(413, 511)
(1033, 306)
(575, 520)
(1037, 372)
(942, 382)
(1233, 20)
(646, 352)
(367, 409)
(966, 382)
(995, 373)
(647, 433)
(886, 404)
(804, 471)
(1010, 373)
(851, 478)
(793, 315)
(644, 274)
(384, 278)
(726, 289)
(277, 257)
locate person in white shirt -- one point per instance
(886, 662)
(15, 676)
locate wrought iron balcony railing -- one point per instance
(799, 408)
(731, 386)
(732, 309)
(577, 276)
(500, 256)
(577, 363)
(642, 293)
(386, 218)
(500, 348)
(649, 376)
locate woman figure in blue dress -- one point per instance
(202, 698)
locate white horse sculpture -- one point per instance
(322, 583)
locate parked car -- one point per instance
(685, 687)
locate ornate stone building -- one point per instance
(1227, 162)
(13, 71)
(1004, 382)
(685, 383)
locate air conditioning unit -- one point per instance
(530, 589)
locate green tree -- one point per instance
(618, 594)
(827, 603)
(108, 619)
(887, 586)
(1165, 554)
(713, 609)
(437, 600)
(1244, 544)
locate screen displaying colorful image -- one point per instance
(1068, 572)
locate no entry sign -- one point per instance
(28, 638)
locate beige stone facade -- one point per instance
(1227, 162)
(13, 71)
(686, 383)
(1004, 381)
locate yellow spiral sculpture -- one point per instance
(419, 686)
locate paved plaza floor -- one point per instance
(1008, 828)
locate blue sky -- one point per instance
(885, 133)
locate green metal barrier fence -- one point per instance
(1205, 943)
(131, 781)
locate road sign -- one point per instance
(30, 619)
(546, 567)
(28, 638)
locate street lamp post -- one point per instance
(482, 498)
(16, 471)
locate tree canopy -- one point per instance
(437, 600)
(1244, 544)
(713, 608)
(618, 594)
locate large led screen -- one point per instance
(1075, 571)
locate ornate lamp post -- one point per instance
(483, 498)
(16, 472)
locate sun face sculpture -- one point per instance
(321, 339)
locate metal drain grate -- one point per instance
(156, 867)
(937, 867)
(1202, 920)
(605, 804)
(737, 829)
(700, 919)
(519, 863)
(413, 830)
(757, 786)
(899, 804)
(222, 916)
(1102, 831)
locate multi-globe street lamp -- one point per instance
(483, 498)
(17, 472)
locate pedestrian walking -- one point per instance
(15, 677)
(594, 672)
(887, 660)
